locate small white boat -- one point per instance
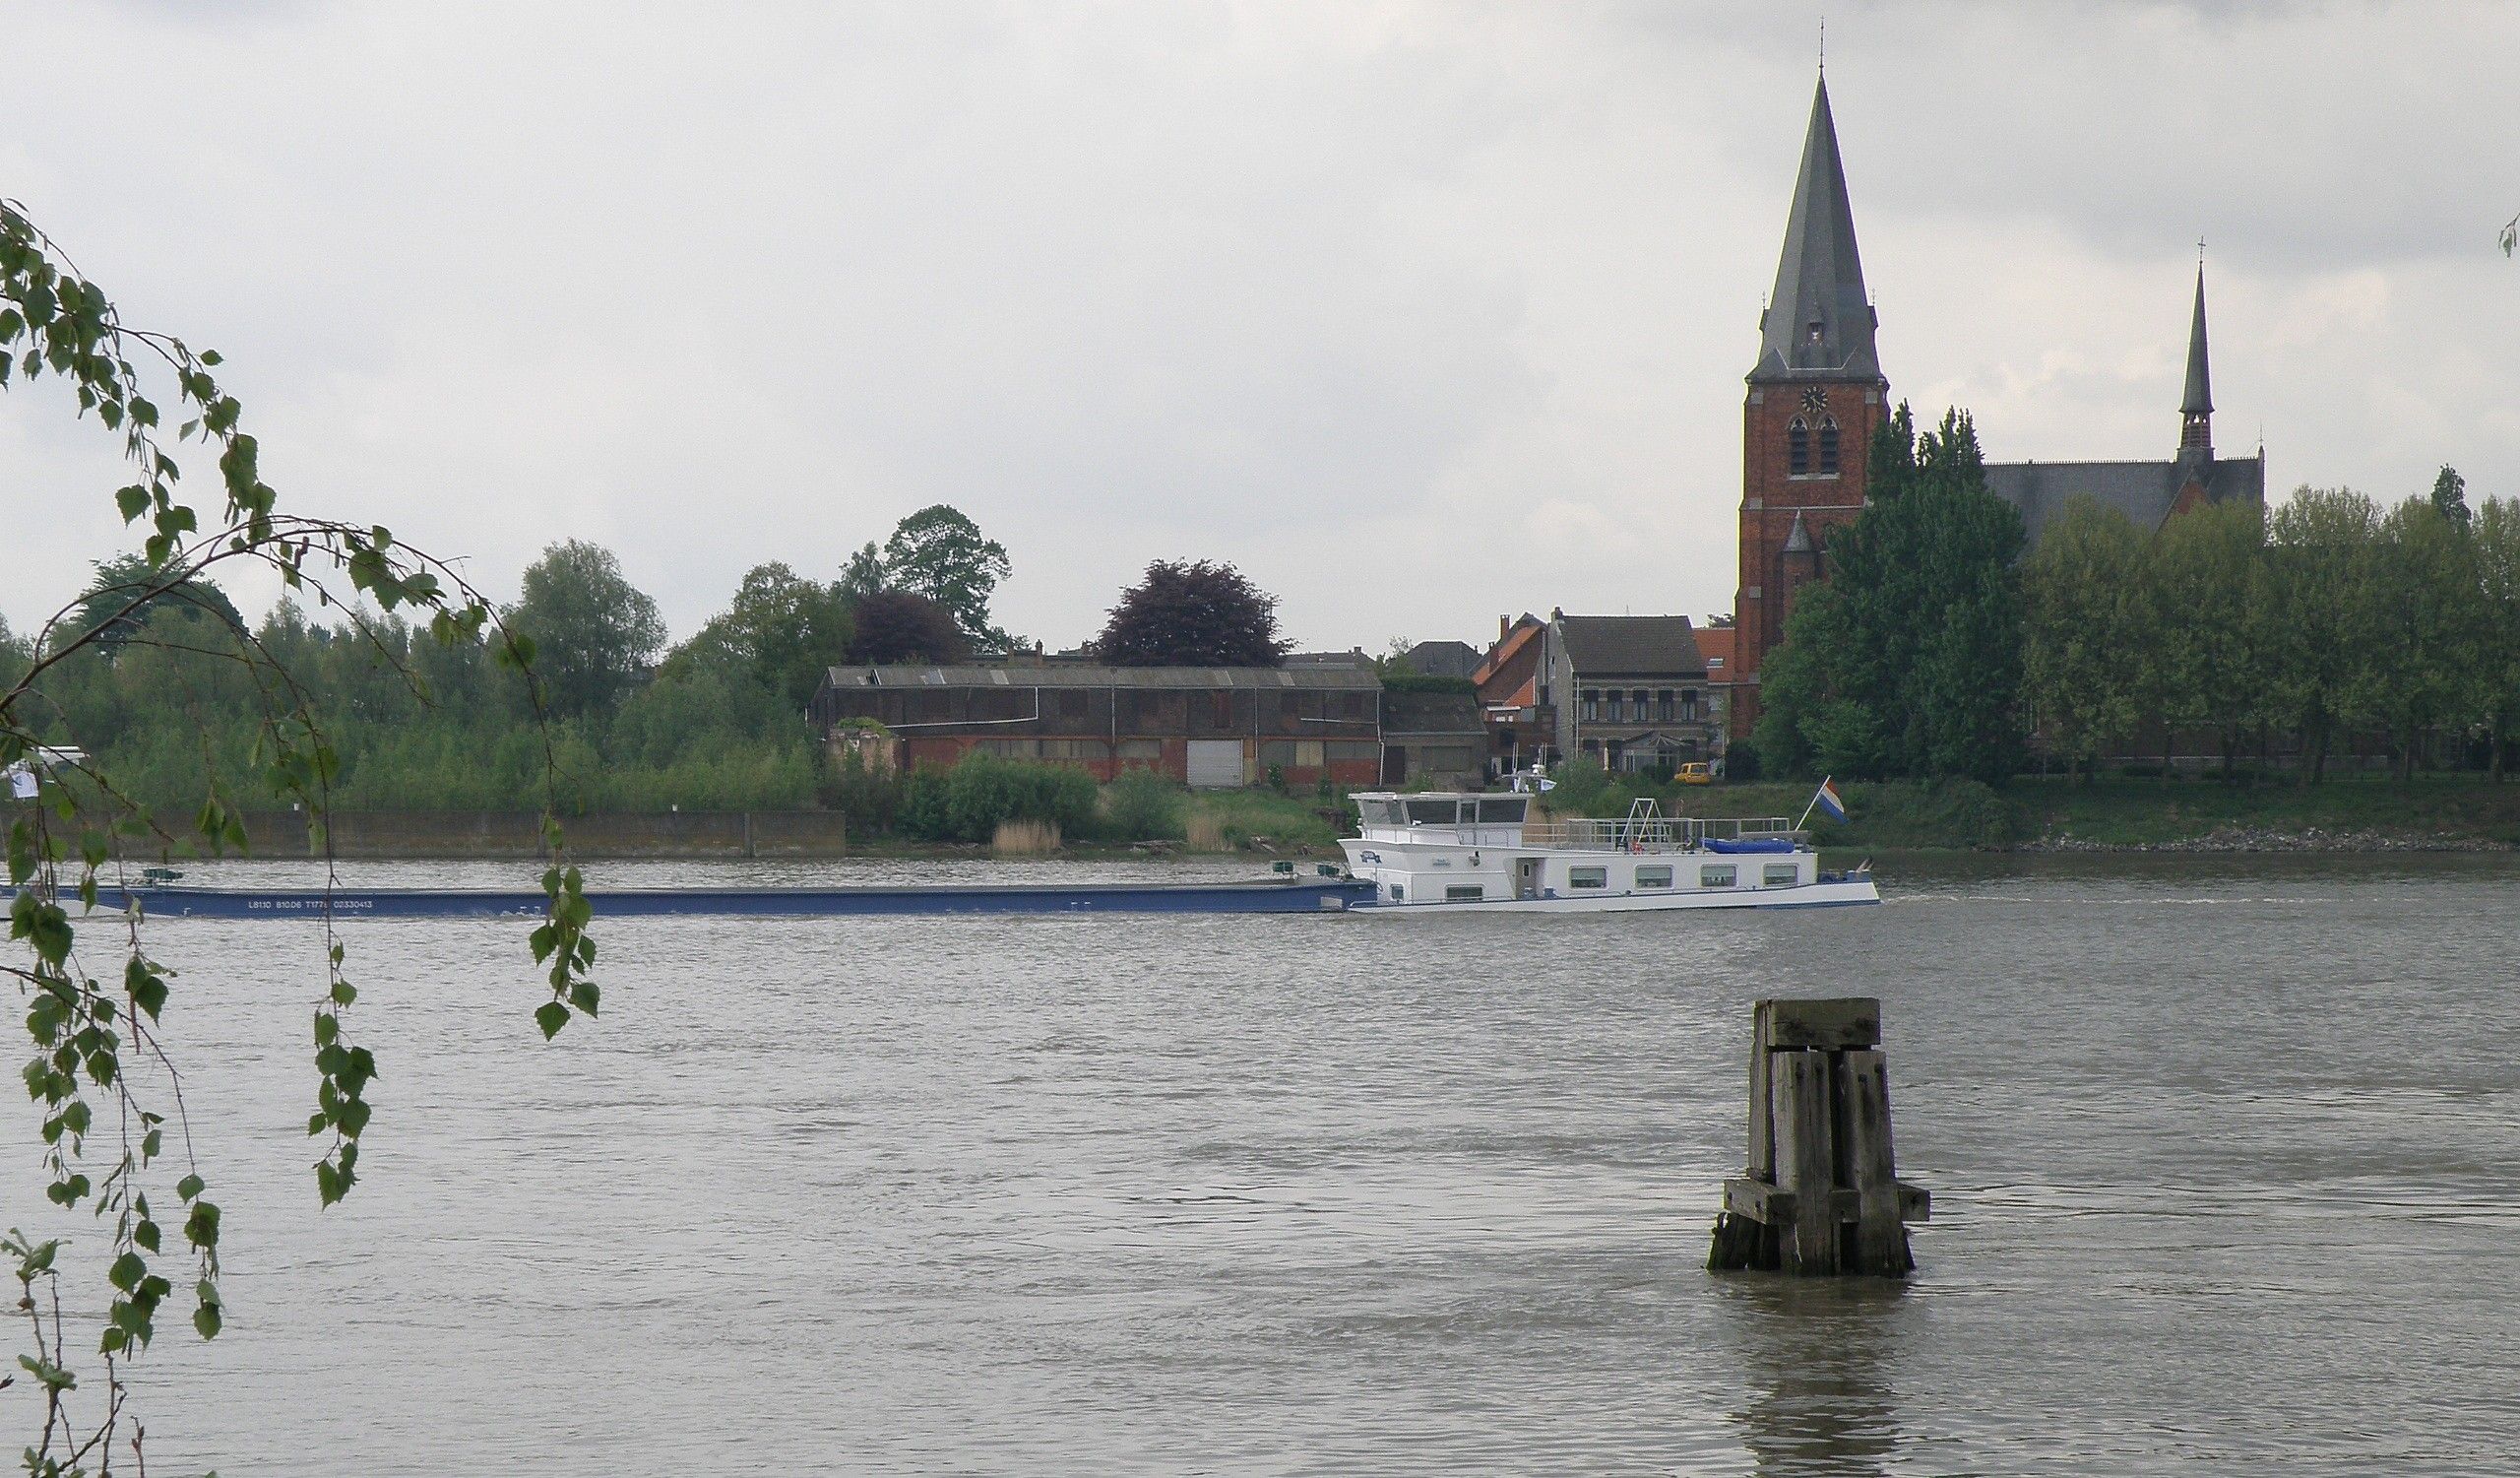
(1439, 850)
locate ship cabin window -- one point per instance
(1797, 448)
(1588, 878)
(1503, 811)
(1432, 813)
(1715, 877)
(1465, 893)
(1380, 813)
(1653, 877)
(1780, 875)
(1398, 893)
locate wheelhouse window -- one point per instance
(1588, 878)
(1432, 813)
(1828, 446)
(1653, 877)
(1723, 876)
(1503, 810)
(1797, 448)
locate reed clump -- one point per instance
(1025, 839)
(1204, 832)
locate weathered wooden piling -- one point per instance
(1820, 1192)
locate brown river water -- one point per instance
(2224, 1156)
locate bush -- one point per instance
(921, 812)
(869, 798)
(1142, 806)
(1582, 784)
(983, 792)
(1741, 761)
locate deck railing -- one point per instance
(1652, 833)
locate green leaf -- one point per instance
(189, 1186)
(584, 995)
(552, 1016)
(127, 1271)
(206, 1319)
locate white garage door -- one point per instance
(1215, 764)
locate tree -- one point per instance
(2450, 498)
(781, 629)
(128, 591)
(2087, 626)
(598, 633)
(113, 1139)
(1912, 663)
(939, 554)
(895, 626)
(2205, 665)
(2421, 620)
(2304, 614)
(2497, 685)
(863, 574)
(1192, 614)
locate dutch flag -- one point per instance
(1827, 799)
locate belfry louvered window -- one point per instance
(1797, 448)
(1828, 446)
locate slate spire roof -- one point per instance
(1819, 320)
(2199, 399)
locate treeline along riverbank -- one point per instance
(2345, 816)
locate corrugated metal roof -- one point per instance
(1068, 675)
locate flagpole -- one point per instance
(1814, 800)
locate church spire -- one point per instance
(2196, 406)
(1819, 322)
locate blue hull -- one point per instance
(1327, 896)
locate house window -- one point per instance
(1653, 877)
(1828, 446)
(1797, 448)
(1780, 875)
(1715, 877)
(1663, 705)
(1592, 705)
(1588, 878)
(1688, 704)
(1465, 893)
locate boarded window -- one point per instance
(1588, 878)
(1715, 877)
(1653, 877)
(1351, 750)
(1308, 754)
(1445, 759)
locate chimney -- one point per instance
(1504, 627)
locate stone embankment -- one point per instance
(2237, 838)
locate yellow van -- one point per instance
(1695, 773)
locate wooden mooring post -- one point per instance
(1820, 1194)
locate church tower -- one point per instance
(1814, 400)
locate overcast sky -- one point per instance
(1417, 313)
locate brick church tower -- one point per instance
(1815, 401)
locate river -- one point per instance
(2224, 1156)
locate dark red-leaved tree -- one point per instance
(1193, 615)
(893, 625)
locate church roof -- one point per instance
(2199, 399)
(2145, 491)
(1820, 321)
